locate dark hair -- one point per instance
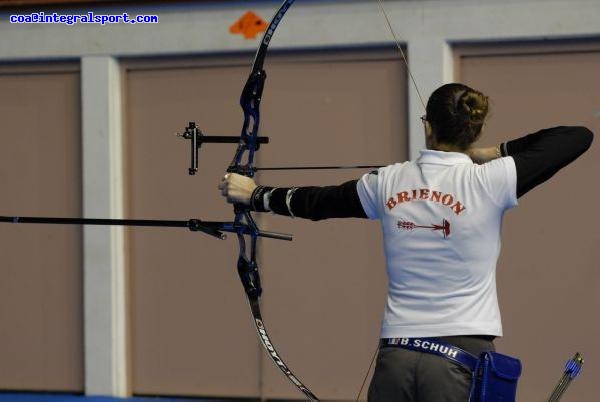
(456, 113)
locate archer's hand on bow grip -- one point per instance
(237, 189)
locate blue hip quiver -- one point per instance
(494, 375)
(495, 378)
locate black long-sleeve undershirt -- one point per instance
(538, 156)
(318, 203)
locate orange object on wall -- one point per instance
(249, 25)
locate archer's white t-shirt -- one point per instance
(441, 217)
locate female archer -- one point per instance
(442, 285)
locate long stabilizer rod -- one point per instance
(215, 229)
(192, 224)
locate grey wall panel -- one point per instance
(41, 335)
(548, 274)
(324, 292)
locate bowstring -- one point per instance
(397, 41)
(362, 386)
(414, 82)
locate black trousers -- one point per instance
(403, 375)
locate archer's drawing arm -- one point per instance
(540, 155)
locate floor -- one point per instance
(56, 397)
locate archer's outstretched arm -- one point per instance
(314, 203)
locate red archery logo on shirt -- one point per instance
(408, 225)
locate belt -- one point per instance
(436, 347)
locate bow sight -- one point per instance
(193, 133)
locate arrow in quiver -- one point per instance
(572, 370)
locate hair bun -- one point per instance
(456, 114)
(473, 106)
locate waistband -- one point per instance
(434, 346)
